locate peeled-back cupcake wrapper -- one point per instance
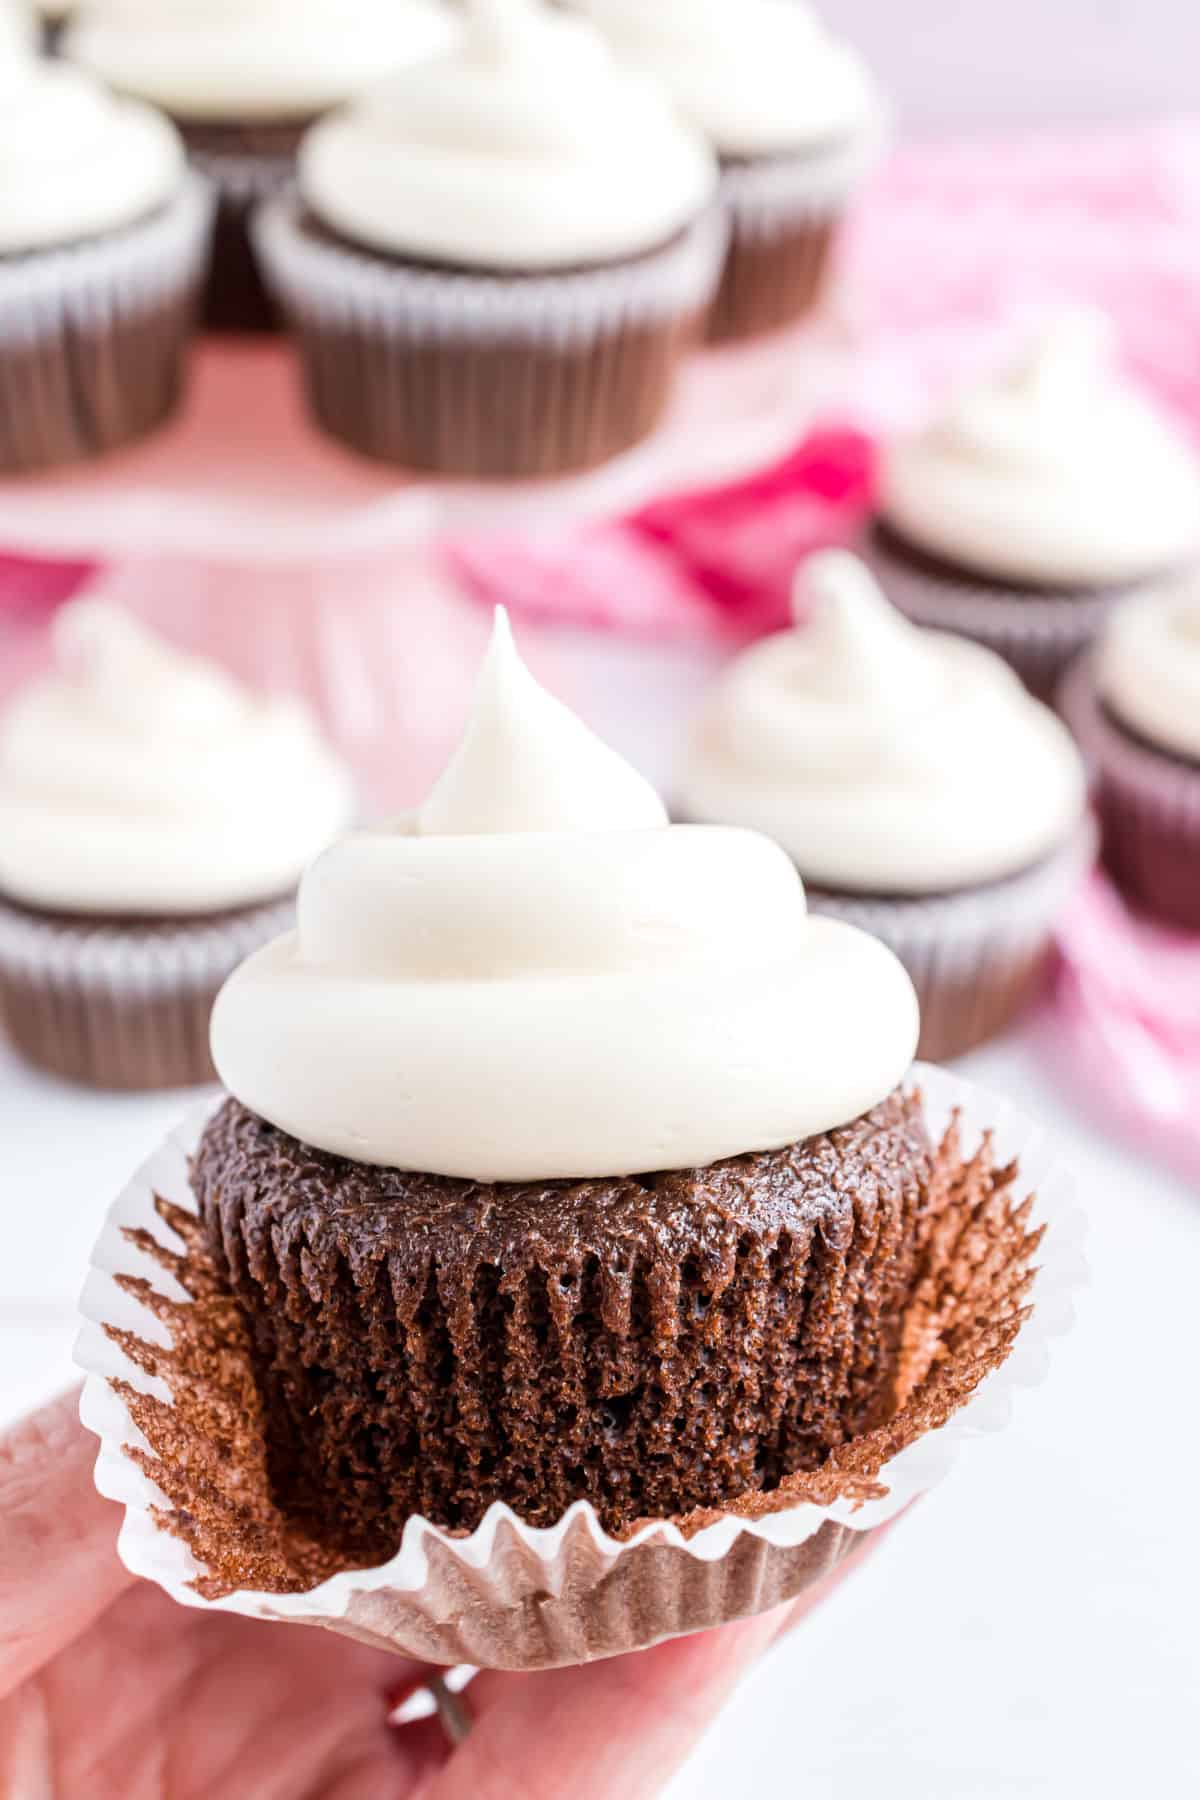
(975, 957)
(1149, 806)
(1038, 634)
(122, 1007)
(508, 1595)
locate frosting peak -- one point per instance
(526, 146)
(551, 983)
(885, 759)
(136, 780)
(1054, 470)
(527, 764)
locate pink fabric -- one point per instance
(1128, 1017)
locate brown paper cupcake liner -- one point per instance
(1148, 804)
(1038, 633)
(977, 958)
(486, 376)
(93, 334)
(171, 1394)
(246, 166)
(122, 1006)
(784, 214)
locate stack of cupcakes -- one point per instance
(921, 792)
(242, 79)
(1044, 495)
(494, 261)
(795, 120)
(103, 239)
(154, 820)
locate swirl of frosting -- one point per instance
(756, 77)
(1057, 471)
(527, 147)
(1148, 668)
(234, 60)
(136, 780)
(536, 977)
(883, 758)
(74, 159)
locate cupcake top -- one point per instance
(1148, 668)
(74, 160)
(526, 147)
(756, 77)
(883, 758)
(242, 61)
(535, 977)
(1055, 471)
(137, 781)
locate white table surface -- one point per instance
(1028, 1630)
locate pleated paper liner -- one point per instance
(170, 1393)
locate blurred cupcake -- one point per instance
(794, 118)
(53, 18)
(103, 237)
(243, 79)
(494, 262)
(1042, 496)
(1134, 704)
(467, 1093)
(921, 793)
(154, 819)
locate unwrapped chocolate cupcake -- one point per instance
(1044, 494)
(243, 79)
(154, 820)
(1134, 704)
(795, 119)
(494, 261)
(103, 237)
(569, 1263)
(921, 792)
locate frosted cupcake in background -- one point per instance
(921, 792)
(795, 119)
(154, 820)
(103, 239)
(1134, 703)
(53, 17)
(494, 261)
(242, 79)
(1042, 495)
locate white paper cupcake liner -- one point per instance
(121, 272)
(975, 957)
(509, 1595)
(342, 287)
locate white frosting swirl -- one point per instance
(1056, 471)
(1148, 667)
(537, 977)
(137, 780)
(884, 759)
(74, 159)
(527, 147)
(253, 59)
(757, 77)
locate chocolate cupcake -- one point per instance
(103, 235)
(494, 262)
(1134, 704)
(795, 120)
(243, 79)
(531, 1189)
(154, 819)
(921, 793)
(1043, 496)
(53, 17)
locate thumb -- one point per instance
(58, 1561)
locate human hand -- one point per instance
(109, 1690)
